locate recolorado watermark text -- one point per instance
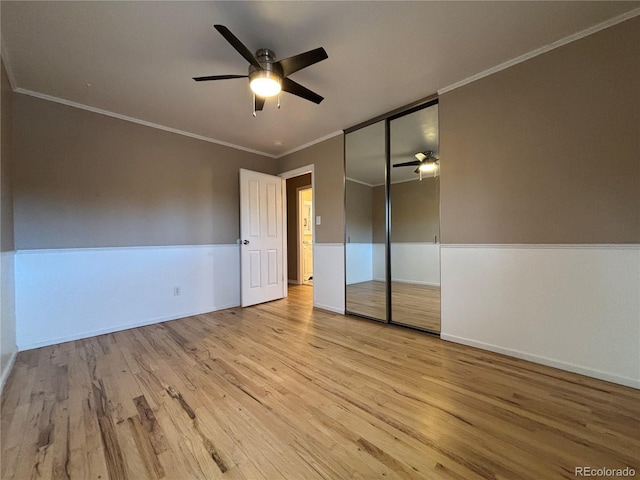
(604, 472)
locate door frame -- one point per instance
(296, 172)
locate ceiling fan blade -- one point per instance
(407, 164)
(259, 103)
(218, 77)
(302, 60)
(290, 86)
(238, 45)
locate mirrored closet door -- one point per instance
(365, 219)
(414, 199)
(392, 219)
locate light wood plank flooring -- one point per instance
(282, 391)
(412, 304)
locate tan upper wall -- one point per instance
(86, 180)
(359, 207)
(378, 216)
(328, 158)
(6, 216)
(547, 151)
(415, 211)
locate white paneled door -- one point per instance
(261, 237)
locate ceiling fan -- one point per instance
(267, 77)
(426, 163)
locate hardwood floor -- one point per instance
(412, 304)
(282, 391)
(367, 298)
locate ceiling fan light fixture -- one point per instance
(265, 83)
(428, 167)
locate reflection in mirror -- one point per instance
(365, 164)
(415, 220)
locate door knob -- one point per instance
(246, 242)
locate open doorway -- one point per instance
(305, 235)
(297, 181)
(297, 232)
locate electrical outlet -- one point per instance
(176, 291)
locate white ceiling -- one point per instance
(139, 57)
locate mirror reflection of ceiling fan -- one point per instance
(426, 163)
(268, 77)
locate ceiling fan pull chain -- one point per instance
(254, 105)
(278, 100)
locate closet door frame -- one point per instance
(387, 117)
(387, 142)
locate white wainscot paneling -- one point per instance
(8, 347)
(572, 307)
(379, 262)
(410, 263)
(416, 263)
(359, 262)
(328, 276)
(68, 294)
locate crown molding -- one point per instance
(360, 182)
(314, 142)
(126, 118)
(559, 43)
(7, 65)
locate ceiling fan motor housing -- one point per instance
(270, 69)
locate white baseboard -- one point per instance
(415, 282)
(7, 370)
(293, 282)
(329, 308)
(218, 308)
(629, 382)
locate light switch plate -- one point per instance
(318, 220)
